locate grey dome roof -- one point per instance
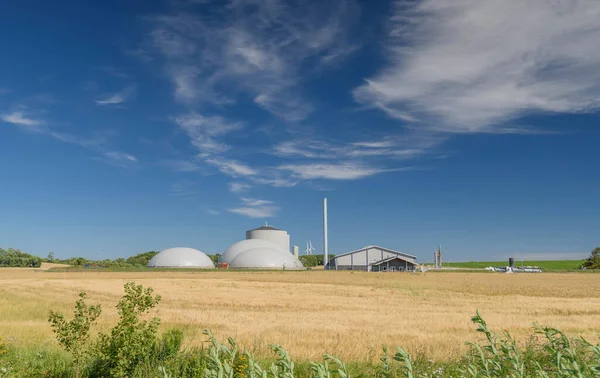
(266, 258)
(181, 257)
(235, 249)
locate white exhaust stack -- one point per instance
(325, 246)
(295, 248)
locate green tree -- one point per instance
(141, 259)
(72, 335)
(50, 257)
(593, 262)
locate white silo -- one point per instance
(275, 235)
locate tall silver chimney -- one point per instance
(325, 245)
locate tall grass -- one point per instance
(547, 353)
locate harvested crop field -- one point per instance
(349, 314)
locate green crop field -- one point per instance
(554, 265)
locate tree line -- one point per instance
(16, 259)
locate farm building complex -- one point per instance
(374, 259)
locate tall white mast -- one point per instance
(325, 246)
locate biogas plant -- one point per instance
(268, 247)
(265, 247)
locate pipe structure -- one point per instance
(325, 245)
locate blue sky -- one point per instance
(127, 126)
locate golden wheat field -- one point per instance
(349, 314)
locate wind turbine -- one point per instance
(309, 248)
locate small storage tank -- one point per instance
(272, 234)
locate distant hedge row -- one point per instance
(17, 259)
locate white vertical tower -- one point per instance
(325, 245)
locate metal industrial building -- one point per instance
(374, 259)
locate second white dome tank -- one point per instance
(266, 258)
(235, 249)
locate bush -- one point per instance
(132, 340)
(313, 260)
(73, 335)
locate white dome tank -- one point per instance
(272, 234)
(266, 258)
(181, 257)
(244, 245)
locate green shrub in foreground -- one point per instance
(73, 335)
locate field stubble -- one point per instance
(348, 314)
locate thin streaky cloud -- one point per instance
(239, 187)
(255, 202)
(117, 98)
(330, 171)
(20, 119)
(120, 156)
(232, 168)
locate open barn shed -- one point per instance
(373, 259)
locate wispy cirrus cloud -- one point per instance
(322, 171)
(20, 118)
(252, 47)
(203, 131)
(239, 187)
(473, 66)
(28, 123)
(232, 168)
(117, 98)
(120, 156)
(396, 147)
(255, 208)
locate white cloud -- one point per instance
(255, 212)
(330, 171)
(406, 146)
(117, 98)
(20, 119)
(232, 168)
(255, 208)
(256, 47)
(472, 66)
(4, 91)
(203, 130)
(238, 187)
(121, 156)
(255, 202)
